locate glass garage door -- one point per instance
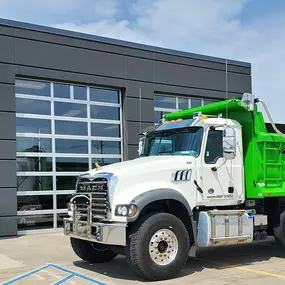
(62, 131)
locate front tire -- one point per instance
(91, 251)
(158, 246)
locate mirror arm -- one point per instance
(215, 168)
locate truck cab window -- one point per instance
(214, 147)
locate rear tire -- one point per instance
(91, 251)
(158, 246)
(279, 232)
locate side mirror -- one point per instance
(229, 143)
(141, 144)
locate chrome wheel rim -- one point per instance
(163, 247)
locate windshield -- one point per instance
(173, 142)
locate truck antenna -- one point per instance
(227, 109)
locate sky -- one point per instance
(246, 30)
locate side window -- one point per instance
(214, 147)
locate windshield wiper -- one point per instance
(165, 152)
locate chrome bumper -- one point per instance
(113, 234)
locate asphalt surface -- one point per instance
(49, 259)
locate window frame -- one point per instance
(53, 154)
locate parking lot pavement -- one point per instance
(49, 259)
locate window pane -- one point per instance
(71, 128)
(61, 90)
(38, 88)
(63, 201)
(165, 102)
(80, 93)
(207, 102)
(105, 147)
(104, 95)
(158, 115)
(35, 222)
(71, 146)
(25, 164)
(34, 183)
(104, 161)
(60, 218)
(105, 130)
(196, 103)
(33, 145)
(183, 103)
(102, 112)
(214, 147)
(72, 164)
(33, 203)
(30, 106)
(70, 110)
(66, 182)
(36, 126)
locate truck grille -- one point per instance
(97, 189)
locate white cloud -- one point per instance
(212, 27)
(58, 11)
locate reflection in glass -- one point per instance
(70, 109)
(35, 222)
(71, 128)
(104, 95)
(66, 182)
(105, 147)
(105, 130)
(207, 102)
(33, 145)
(25, 164)
(34, 203)
(183, 103)
(36, 126)
(165, 102)
(103, 112)
(60, 218)
(104, 161)
(71, 146)
(158, 115)
(80, 93)
(30, 106)
(63, 201)
(61, 90)
(34, 183)
(196, 103)
(38, 88)
(72, 164)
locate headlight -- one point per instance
(126, 210)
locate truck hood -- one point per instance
(145, 165)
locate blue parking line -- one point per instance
(76, 274)
(64, 279)
(25, 275)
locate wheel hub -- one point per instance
(163, 247)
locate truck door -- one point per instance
(218, 175)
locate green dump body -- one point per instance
(264, 153)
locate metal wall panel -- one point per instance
(7, 98)
(53, 56)
(8, 174)
(7, 49)
(8, 226)
(8, 206)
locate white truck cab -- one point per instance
(161, 206)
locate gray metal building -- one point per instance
(68, 100)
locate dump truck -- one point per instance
(207, 176)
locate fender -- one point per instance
(148, 197)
